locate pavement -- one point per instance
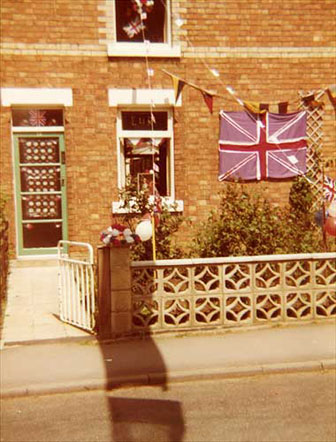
(32, 311)
(49, 357)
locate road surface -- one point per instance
(284, 407)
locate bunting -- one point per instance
(309, 100)
(256, 108)
(208, 99)
(178, 85)
(262, 108)
(331, 91)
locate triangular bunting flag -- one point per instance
(256, 108)
(208, 98)
(283, 107)
(178, 86)
(331, 91)
(308, 99)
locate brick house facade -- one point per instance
(65, 55)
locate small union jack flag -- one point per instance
(329, 188)
(134, 28)
(37, 118)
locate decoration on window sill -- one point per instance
(118, 235)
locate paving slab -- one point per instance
(32, 311)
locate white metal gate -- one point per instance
(76, 284)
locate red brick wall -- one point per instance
(240, 23)
(90, 124)
(50, 21)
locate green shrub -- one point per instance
(245, 223)
(4, 257)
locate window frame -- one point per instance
(123, 133)
(169, 133)
(143, 49)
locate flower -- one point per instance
(118, 235)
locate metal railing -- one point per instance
(76, 284)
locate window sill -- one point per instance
(143, 50)
(170, 204)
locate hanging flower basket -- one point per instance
(118, 235)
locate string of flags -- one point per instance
(251, 106)
(178, 85)
(331, 91)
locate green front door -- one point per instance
(40, 192)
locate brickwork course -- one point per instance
(267, 51)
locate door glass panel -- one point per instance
(41, 207)
(39, 150)
(40, 179)
(41, 234)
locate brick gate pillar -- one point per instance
(114, 292)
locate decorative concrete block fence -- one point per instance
(197, 294)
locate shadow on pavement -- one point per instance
(146, 420)
(134, 420)
(136, 361)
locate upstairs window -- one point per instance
(139, 20)
(142, 28)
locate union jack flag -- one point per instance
(37, 118)
(329, 188)
(255, 147)
(134, 27)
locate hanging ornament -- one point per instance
(330, 226)
(118, 235)
(144, 230)
(318, 217)
(332, 209)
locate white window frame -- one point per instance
(143, 99)
(169, 133)
(136, 49)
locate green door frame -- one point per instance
(22, 251)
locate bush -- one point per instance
(247, 224)
(4, 258)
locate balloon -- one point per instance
(144, 230)
(319, 218)
(330, 226)
(332, 209)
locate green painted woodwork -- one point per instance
(40, 188)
